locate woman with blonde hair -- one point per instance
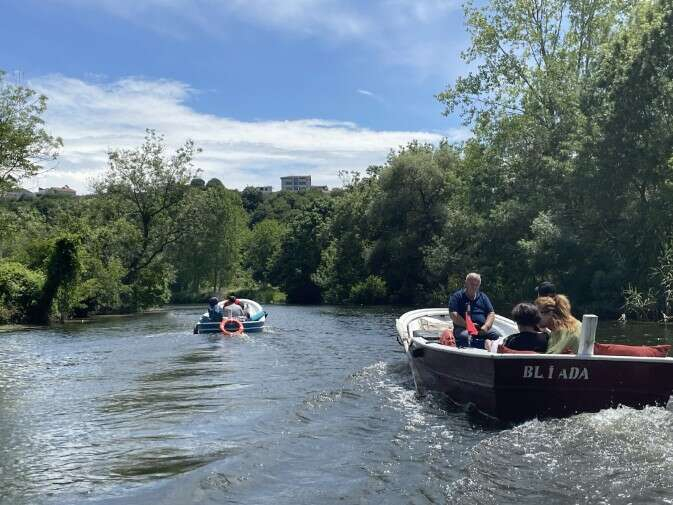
(564, 329)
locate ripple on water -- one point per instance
(140, 410)
(613, 456)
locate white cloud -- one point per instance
(93, 117)
(420, 34)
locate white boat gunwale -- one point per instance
(404, 323)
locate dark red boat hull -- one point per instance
(519, 387)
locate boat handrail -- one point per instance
(420, 313)
(404, 322)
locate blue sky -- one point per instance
(266, 88)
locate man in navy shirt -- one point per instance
(480, 309)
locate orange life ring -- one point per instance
(228, 322)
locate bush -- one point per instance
(638, 304)
(20, 289)
(373, 291)
(263, 294)
(152, 288)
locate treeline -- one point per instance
(568, 177)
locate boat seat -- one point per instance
(431, 336)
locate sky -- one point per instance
(265, 88)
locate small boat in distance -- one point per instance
(517, 387)
(254, 322)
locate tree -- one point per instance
(147, 196)
(343, 263)
(409, 212)
(209, 255)
(299, 257)
(62, 270)
(20, 290)
(214, 183)
(530, 57)
(534, 60)
(252, 198)
(624, 180)
(264, 246)
(24, 142)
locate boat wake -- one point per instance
(570, 460)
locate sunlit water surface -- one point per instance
(320, 408)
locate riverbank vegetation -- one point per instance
(568, 177)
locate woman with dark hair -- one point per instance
(527, 317)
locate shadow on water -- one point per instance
(161, 463)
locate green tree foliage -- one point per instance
(24, 141)
(285, 205)
(300, 253)
(20, 290)
(252, 198)
(407, 215)
(208, 256)
(344, 261)
(146, 192)
(61, 273)
(262, 249)
(626, 160)
(371, 291)
(568, 177)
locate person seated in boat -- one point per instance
(214, 310)
(557, 319)
(232, 300)
(472, 314)
(233, 308)
(527, 318)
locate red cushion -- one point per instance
(503, 349)
(646, 351)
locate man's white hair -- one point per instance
(473, 275)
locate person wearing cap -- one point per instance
(214, 310)
(469, 303)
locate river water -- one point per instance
(319, 409)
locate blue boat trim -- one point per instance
(204, 325)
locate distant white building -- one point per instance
(265, 189)
(64, 191)
(295, 183)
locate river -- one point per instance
(318, 409)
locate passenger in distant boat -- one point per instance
(233, 307)
(214, 310)
(545, 288)
(472, 314)
(232, 300)
(527, 318)
(564, 330)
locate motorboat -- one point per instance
(517, 387)
(254, 320)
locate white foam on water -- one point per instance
(607, 457)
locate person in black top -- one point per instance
(214, 309)
(527, 317)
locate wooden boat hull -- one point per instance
(516, 387)
(519, 387)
